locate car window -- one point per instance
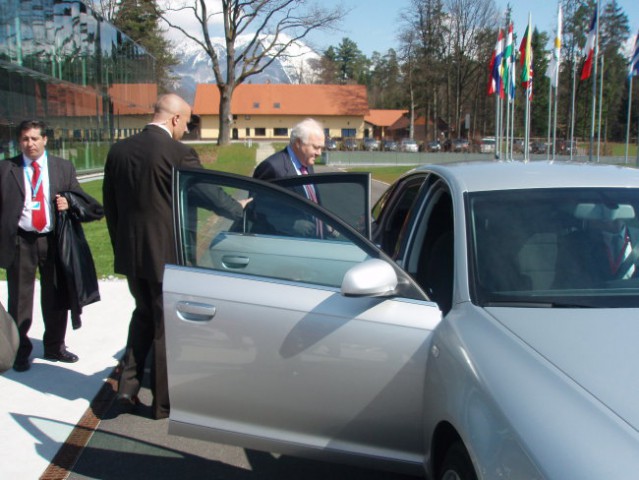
(556, 247)
(347, 195)
(396, 205)
(429, 252)
(281, 235)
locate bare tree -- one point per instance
(272, 25)
(469, 19)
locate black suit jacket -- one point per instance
(137, 201)
(278, 165)
(62, 177)
(276, 219)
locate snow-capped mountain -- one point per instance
(195, 66)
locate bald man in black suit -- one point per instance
(137, 205)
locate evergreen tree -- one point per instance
(352, 64)
(541, 83)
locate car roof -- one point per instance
(514, 175)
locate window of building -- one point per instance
(256, 104)
(349, 132)
(248, 132)
(276, 105)
(260, 132)
(280, 132)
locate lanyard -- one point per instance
(34, 190)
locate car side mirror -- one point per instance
(371, 278)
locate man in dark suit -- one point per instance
(29, 186)
(305, 146)
(137, 204)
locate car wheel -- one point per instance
(457, 464)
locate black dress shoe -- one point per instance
(125, 399)
(127, 402)
(21, 365)
(64, 356)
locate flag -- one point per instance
(591, 43)
(508, 59)
(634, 61)
(553, 68)
(525, 60)
(512, 82)
(494, 69)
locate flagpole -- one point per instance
(528, 92)
(508, 120)
(600, 107)
(554, 128)
(628, 118)
(549, 117)
(594, 86)
(497, 125)
(572, 107)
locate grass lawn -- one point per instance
(233, 158)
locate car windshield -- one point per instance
(570, 247)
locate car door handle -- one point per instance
(195, 312)
(235, 261)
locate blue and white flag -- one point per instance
(634, 61)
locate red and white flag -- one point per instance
(591, 44)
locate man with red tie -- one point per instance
(29, 186)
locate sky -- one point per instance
(374, 24)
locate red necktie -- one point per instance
(38, 217)
(309, 189)
(310, 193)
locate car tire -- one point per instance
(457, 464)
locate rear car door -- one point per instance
(309, 344)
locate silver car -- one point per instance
(487, 330)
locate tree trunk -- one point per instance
(226, 117)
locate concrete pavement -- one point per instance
(40, 407)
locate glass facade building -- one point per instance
(61, 63)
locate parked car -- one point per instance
(408, 145)
(350, 144)
(434, 146)
(330, 144)
(496, 342)
(566, 147)
(460, 145)
(487, 145)
(538, 147)
(390, 146)
(370, 144)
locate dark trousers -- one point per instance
(146, 334)
(35, 252)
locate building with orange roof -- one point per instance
(132, 106)
(378, 122)
(269, 111)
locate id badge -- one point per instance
(34, 205)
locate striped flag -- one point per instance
(634, 61)
(494, 69)
(553, 68)
(525, 60)
(591, 43)
(508, 62)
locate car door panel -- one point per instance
(297, 365)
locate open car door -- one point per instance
(307, 342)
